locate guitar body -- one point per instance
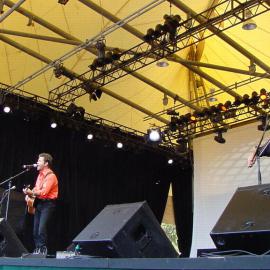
(30, 204)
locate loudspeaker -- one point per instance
(245, 222)
(125, 231)
(10, 245)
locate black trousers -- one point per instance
(43, 214)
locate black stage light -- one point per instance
(219, 138)
(254, 97)
(63, 2)
(75, 111)
(246, 100)
(96, 94)
(238, 101)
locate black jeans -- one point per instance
(43, 214)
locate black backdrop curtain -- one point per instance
(91, 174)
(182, 190)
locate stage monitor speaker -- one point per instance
(245, 222)
(125, 231)
(10, 245)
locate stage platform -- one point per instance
(228, 262)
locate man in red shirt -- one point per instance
(45, 193)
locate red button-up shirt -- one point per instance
(46, 184)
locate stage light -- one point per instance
(53, 124)
(150, 35)
(262, 127)
(254, 97)
(221, 107)
(172, 112)
(154, 135)
(119, 145)
(238, 101)
(170, 161)
(162, 63)
(62, 2)
(159, 30)
(90, 136)
(219, 138)
(75, 111)
(7, 108)
(170, 25)
(263, 94)
(193, 118)
(246, 100)
(249, 24)
(95, 95)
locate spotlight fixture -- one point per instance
(212, 98)
(75, 111)
(248, 24)
(172, 112)
(219, 138)
(170, 25)
(165, 100)
(90, 136)
(162, 63)
(246, 100)
(53, 124)
(119, 145)
(263, 94)
(262, 126)
(170, 161)
(62, 2)
(252, 67)
(221, 107)
(7, 108)
(254, 97)
(95, 95)
(154, 135)
(237, 102)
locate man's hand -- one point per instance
(28, 191)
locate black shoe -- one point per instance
(43, 250)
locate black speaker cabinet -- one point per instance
(10, 245)
(125, 231)
(245, 222)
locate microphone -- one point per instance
(29, 166)
(7, 190)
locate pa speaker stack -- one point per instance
(125, 231)
(245, 223)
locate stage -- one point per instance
(228, 262)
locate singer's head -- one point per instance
(44, 161)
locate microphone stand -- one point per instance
(7, 192)
(259, 151)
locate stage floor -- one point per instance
(228, 262)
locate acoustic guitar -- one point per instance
(30, 200)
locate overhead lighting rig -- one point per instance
(141, 55)
(219, 116)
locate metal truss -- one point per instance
(214, 122)
(217, 92)
(107, 129)
(188, 33)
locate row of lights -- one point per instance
(171, 22)
(214, 112)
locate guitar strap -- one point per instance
(44, 180)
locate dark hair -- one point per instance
(47, 158)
